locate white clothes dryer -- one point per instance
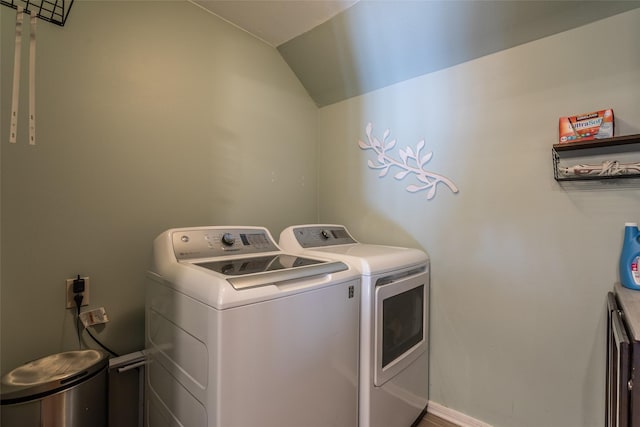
(394, 321)
(241, 334)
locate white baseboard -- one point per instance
(453, 416)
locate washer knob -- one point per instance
(228, 239)
(324, 234)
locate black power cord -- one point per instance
(78, 303)
(78, 289)
(113, 353)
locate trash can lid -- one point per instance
(51, 374)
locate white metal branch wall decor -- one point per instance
(411, 163)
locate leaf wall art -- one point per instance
(411, 162)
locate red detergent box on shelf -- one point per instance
(584, 127)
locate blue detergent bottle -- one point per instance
(630, 257)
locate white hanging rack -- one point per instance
(54, 11)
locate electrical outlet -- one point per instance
(71, 303)
(94, 317)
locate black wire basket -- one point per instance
(54, 11)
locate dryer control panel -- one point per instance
(322, 235)
(192, 243)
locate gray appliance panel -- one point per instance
(217, 242)
(322, 236)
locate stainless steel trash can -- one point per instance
(62, 390)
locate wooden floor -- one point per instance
(432, 421)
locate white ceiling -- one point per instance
(273, 21)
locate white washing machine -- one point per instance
(241, 334)
(394, 322)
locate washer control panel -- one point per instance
(194, 243)
(322, 235)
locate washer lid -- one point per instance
(257, 264)
(50, 374)
(243, 273)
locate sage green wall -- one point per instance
(520, 264)
(150, 115)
